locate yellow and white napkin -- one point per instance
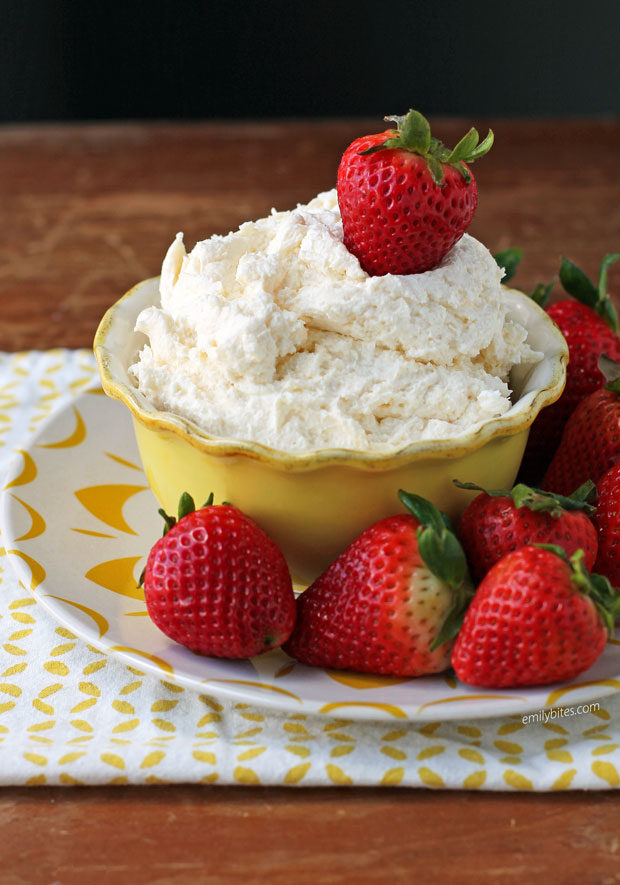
(69, 714)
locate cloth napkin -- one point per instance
(69, 714)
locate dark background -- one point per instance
(70, 60)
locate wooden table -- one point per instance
(88, 210)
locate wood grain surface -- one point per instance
(88, 210)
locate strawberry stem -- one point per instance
(413, 134)
(540, 500)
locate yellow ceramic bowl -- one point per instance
(314, 503)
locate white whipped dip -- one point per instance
(275, 334)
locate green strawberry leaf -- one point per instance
(581, 287)
(423, 510)
(554, 548)
(443, 554)
(436, 169)
(606, 599)
(169, 521)
(462, 168)
(509, 259)
(388, 144)
(608, 311)
(483, 148)
(438, 545)
(552, 503)
(586, 493)
(606, 263)
(538, 499)
(542, 293)
(186, 505)
(438, 149)
(598, 588)
(454, 619)
(577, 284)
(414, 131)
(462, 150)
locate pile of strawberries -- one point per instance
(523, 591)
(401, 599)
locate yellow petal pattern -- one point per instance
(37, 572)
(106, 502)
(74, 439)
(101, 622)
(27, 474)
(391, 709)
(561, 692)
(363, 681)
(117, 575)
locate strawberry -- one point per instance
(497, 522)
(537, 617)
(590, 444)
(589, 324)
(607, 521)
(217, 584)
(391, 602)
(404, 198)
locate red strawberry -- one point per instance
(536, 618)
(607, 521)
(590, 326)
(391, 602)
(498, 522)
(404, 198)
(590, 444)
(217, 584)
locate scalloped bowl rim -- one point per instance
(117, 325)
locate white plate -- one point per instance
(78, 520)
